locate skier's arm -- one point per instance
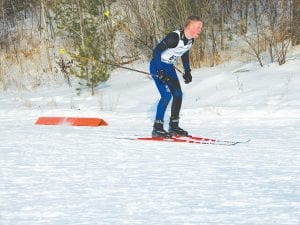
(170, 41)
(186, 61)
(187, 76)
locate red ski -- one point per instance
(189, 139)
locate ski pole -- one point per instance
(117, 65)
(139, 71)
(108, 63)
(124, 67)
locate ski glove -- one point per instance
(187, 76)
(163, 76)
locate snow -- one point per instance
(86, 175)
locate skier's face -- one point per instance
(195, 28)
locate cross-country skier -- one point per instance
(175, 44)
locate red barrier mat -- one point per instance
(72, 121)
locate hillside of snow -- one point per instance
(90, 175)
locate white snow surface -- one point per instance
(86, 175)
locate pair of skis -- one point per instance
(190, 139)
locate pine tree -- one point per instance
(87, 24)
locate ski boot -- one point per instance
(158, 130)
(175, 130)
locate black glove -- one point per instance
(187, 76)
(163, 76)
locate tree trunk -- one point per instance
(296, 23)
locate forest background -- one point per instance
(45, 41)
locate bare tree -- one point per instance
(296, 22)
(144, 26)
(254, 39)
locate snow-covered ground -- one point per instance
(86, 175)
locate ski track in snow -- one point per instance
(82, 175)
(85, 175)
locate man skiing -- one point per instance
(175, 44)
